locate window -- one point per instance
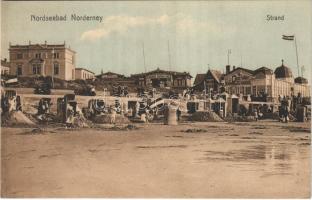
(180, 82)
(19, 56)
(248, 90)
(73, 59)
(56, 69)
(269, 91)
(56, 55)
(19, 70)
(38, 55)
(254, 90)
(237, 90)
(242, 90)
(36, 69)
(233, 78)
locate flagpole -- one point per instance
(144, 57)
(297, 56)
(53, 67)
(169, 57)
(205, 88)
(229, 52)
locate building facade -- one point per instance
(163, 79)
(84, 74)
(31, 60)
(262, 82)
(238, 81)
(212, 81)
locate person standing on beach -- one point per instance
(256, 114)
(113, 116)
(178, 114)
(70, 117)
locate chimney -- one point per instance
(45, 42)
(29, 42)
(227, 69)
(234, 68)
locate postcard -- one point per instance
(156, 99)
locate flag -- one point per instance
(288, 37)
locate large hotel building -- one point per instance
(259, 82)
(55, 60)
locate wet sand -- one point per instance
(210, 160)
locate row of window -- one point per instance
(38, 55)
(245, 90)
(36, 69)
(239, 78)
(87, 75)
(180, 82)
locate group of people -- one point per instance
(120, 91)
(74, 116)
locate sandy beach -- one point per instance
(192, 160)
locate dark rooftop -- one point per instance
(283, 71)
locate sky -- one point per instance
(199, 33)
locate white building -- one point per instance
(84, 74)
(264, 82)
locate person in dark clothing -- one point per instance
(284, 110)
(178, 114)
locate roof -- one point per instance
(80, 68)
(244, 69)
(109, 74)
(199, 78)
(301, 80)
(217, 75)
(263, 70)
(283, 71)
(42, 46)
(174, 73)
